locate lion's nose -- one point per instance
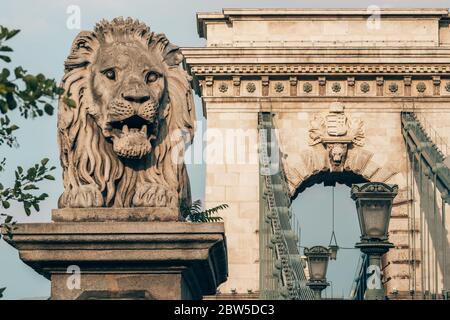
(136, 98)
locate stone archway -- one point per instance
(336, 145)
(337, 153)
(315, 161)
(312, 166)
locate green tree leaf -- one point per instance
(5, 58)
(48, 108)
(5, 49)
(11, 34)
(5, 204)
(11, 101)
(19, 72)
(3, 106)
(4, 74)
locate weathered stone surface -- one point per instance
(165, 260)
(115, 214)
(318, 27)
(120, 144)
(116, 286)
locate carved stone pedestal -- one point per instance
(124, 259)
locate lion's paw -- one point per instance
(153, 195)
(85, 196)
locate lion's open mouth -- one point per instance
(131, 137)
(132, 124)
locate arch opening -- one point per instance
(312, 207)
(328, 179)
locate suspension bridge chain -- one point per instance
(429, 157)
(419, 141)
(282, 273)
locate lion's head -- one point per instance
(131, 98)
(337, 154)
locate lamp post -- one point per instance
(317, 258)
(374, 205)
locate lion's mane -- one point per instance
(93, 174)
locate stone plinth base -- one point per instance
(120, 286)
(125, 260)
(115, 214)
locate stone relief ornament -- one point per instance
(279, 87)
(251, 87)
(223, 87)
(421, 87)
(365, 87)
(393, 87)
(447, 86)
(120, 144)
(336, 87)
(307, 87)
(337, 133)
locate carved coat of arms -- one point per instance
(337, 132)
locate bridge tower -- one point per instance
(354, 95)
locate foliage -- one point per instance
(6, 129)
(195, 213)
(30, 94)
(22, 191)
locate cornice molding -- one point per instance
(319, 69)
(228, 15)
(406, 100)
(321, 104)
(317, 54)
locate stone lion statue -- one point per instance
(122, 143)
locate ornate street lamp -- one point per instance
(374, 205)
(317, 258)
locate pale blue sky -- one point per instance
(43, 45)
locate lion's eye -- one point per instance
(110, 74)
(151, 77)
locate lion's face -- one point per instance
(128, 86)
(337, 153)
